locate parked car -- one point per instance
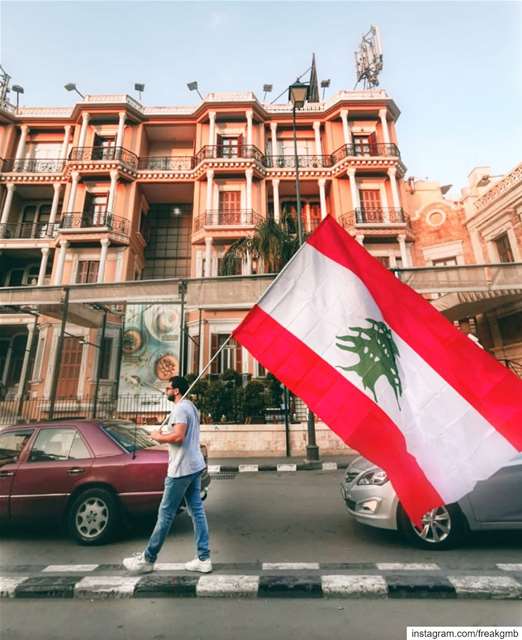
(495, 503)
(90, 474)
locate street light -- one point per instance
(139, 87)
(71, 86)
(324, 85)
(297, 94)
(267, 88)
(193, 86)
(18, 90)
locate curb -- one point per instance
(214, 469)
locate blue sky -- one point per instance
(453, 68)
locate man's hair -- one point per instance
(179, 382)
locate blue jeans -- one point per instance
(188, 487)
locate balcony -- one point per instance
(104, 154)
(33, 165)
(94, 221)
(226, 152)
(24, 230)
(380, 216)
(305, 162)
(370, 149)
(166, 163)
(227, 218)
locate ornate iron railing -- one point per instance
(166, 163)
(227, 218)
(20, 230)
(305, 162)
(95, 220)
(374, 215)
(220, 151)
(34, 165)
(104, 154)
(369, 149)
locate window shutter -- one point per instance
(214, 346)
(373, 144)
(240, 149)
(239, 357)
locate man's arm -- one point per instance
(176, 436)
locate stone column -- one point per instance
(54, 207)
(210, 178)
(346, 128)
(83, 130)
(103, 259)
(25, 363)
(392, 171)
(384, 123)
(208, 257)
(111, 200)
(61, 262)
(249, 173)
(43, 265)
(21, 143)
(10, 186)
(65, 145)
(212, 128)
(75, 176)
(322, 196)
(353, 189)
(273, 137)
(360, 238)
(317, 133)
(275, 187)
(404, 252)
(248, 263)
(249, 117)
(121, 129)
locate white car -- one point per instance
(495, 503)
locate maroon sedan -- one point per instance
(87, 473)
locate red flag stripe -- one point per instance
(345, 409)
(491, 388)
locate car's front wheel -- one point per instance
(442, 528)
(93, 516)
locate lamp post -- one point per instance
(71, 86)
(297, 94)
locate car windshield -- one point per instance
(128, 435)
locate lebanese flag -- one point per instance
(386, 371)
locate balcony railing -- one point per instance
(226, 218)
(220, 151)
(21, 230)
(166, 163)
(104, 154)
(95, 220)
(374, 215)
(355, 150)
(305, 162)
(33, 165)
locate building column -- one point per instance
(317, 133)
(212, 128)
(121, 129)
(43, 265)
(249, 174)
(75, 176)
(477, 246)
(54, 207)
(273, 137)
(248, 263)
(275, 187)
(65, 145)
(360, 238)
(103, 259)
(404, 252)
(61, 262)
(111, 200)
(249, 117)
(392, 171)
(10, 186)
(210, 177)
(208, 257)
(25, 363)
(384, 123)
(83, 130)
(346, 128)
(353, 189)
(322, 196)
(21, 143)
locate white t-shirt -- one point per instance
(186, 458)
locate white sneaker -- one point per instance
(138, 564)
(203, 566)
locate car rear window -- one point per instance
(128, 435)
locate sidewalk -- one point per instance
(279, 463)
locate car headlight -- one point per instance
(373, 477)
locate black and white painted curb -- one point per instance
(216, 469)
(264, 580)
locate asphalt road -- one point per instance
(285, 517)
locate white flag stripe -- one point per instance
(454, 444)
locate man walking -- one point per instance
(186, 464)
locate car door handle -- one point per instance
(75, 471)
(6, 474)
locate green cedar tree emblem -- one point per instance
(377, 355)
